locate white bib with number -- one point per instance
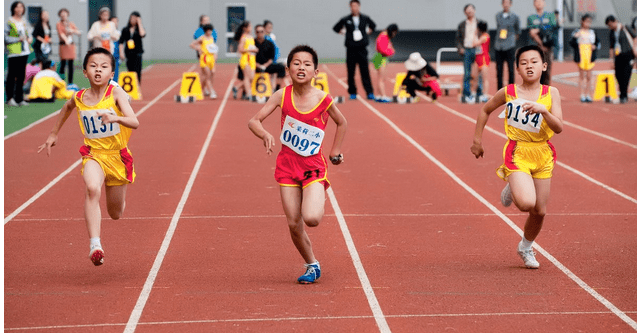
(518, 118)
(94, 129)
(302, 138)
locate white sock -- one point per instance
(95, 241)
(525, 244)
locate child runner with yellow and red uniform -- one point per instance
(532, 116)
(301, 168)
(106, 120)
(482, 57)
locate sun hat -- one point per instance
(415, 62)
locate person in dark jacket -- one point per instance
(585, 44)
(420, 76)
(131, 44)
(42, 37)
(623, 49)
(356, 27)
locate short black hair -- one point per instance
(63, 10)
(208, 27)
(586, 16)
(15, 4)
(482, 26)
(610, 18)
(303, 48)
(469, 4)
(267, 22)
(258, 25)
(352, 1)
(98, 50)
(391, 29)
(527, 48)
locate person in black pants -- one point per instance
(356, 27)
(131, 44)
(623, 48)
(265, 56)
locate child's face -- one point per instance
(586, 23)
(531, 66)
(302, 69)
(99, 69)
(208, 33)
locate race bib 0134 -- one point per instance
(518, 118)
(302, 138)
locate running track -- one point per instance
(414, 238)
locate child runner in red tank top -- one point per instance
(301, 169)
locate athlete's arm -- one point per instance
(255, 123)
(554, 118)
(64, 113)
(129, 118)
(484, 115)
(341, 123)
(196, 43)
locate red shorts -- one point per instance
(294, 170)
(482, 60)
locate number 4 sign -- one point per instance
(129, 82)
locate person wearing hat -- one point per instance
(103, 32)
(420, 76)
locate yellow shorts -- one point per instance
(585, 54)
(117, 165)
(207, 61)
(247, 60)
(534, 158)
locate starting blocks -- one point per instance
(400, 94)
(605, 87)
(130, 83)
(190, 88)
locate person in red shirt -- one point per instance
(482, 58)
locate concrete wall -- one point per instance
(171, 23)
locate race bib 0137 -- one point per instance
(302, 138)
(93, 127)
(518, 118)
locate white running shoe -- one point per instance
(528, 257)
(506, 196)
(23, 103)
(213, 95)
(11, 102)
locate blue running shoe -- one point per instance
(371, 97)
(313, 273)
(353, 96)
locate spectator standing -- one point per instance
(465, 37)
(507, 34)
(67, 52)
(203, 20)
(42, 37)
(131, 41)
(356, 27)
(265, 57)
(17, 40)
(585, 44)
(384, 49)
(623, 50)
(103, 32)
(542, 27)
(117, 53)
(269, 35)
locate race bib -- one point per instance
(302, 138)
(518, 118)
(93, 127)
(503, 34)
(212, 48)
(105, 44)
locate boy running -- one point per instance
(532, 116)
(106, 120)
(301, 167)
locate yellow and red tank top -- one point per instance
(303, 131)
(112, 136)
(526, 128)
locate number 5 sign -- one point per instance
(191, 86)
(129, 82)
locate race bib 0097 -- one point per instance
(518, 118)
(302, 138)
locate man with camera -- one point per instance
(542, 27)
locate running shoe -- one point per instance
(371, 97)
(234, 92)
(353, 96)
(96, 255)
(506, 196)
(313, 273)
(528, 257)
(213, 95)
(11, 102)
(384, 99)
(23, 103)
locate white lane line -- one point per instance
(357, 263)
(507, 220)
(247, 320)
(156, 266)
(77, 163)
(607, 137)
